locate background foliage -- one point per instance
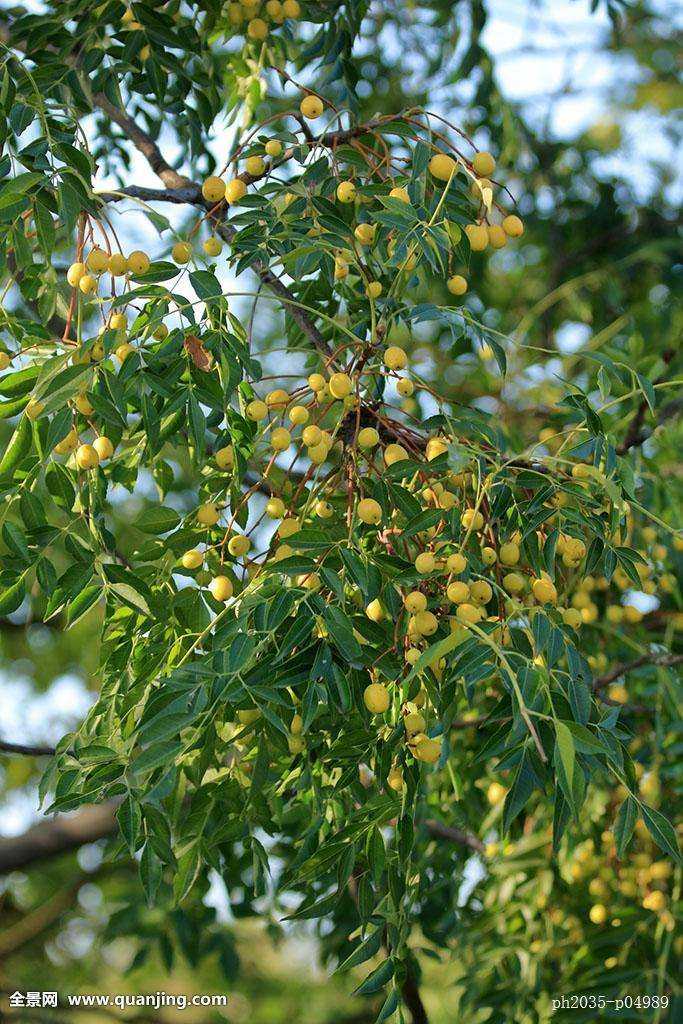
(582, 310)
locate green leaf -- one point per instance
(18, 448)
(566, 750)
(625, 823)
(157, 519)
(129, 819)
(376, 980)
(12, 596)
(661, 830)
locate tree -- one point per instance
(352, 564)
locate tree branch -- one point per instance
(438, 830)
(660, 660)
(26, 750)
(56, 836)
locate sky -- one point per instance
(537, 52)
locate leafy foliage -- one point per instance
(447, 595)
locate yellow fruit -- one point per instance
(369, 511)
(368, 437)
(395, 358)
(509, 553)
(118, 264)
(365, 234)
(257, 29)
(456, 563)
(340, 385)
(544, 591)
(341, 269)
(457, 285)
(412, 655)
(291, 8)
(87, 457)
(288, 527)
(213, 189)
(4, 360)
(374, 289)
(280, 439)
(481, 592)
(478, 236)
(316, 382)
(497, 237)
(83, 405)
(376, 698)
(97, 260)
(208, 514)
(425, 562)
(138, 262)
(375, 611)
(275, 508)
(513, 225)
(395, 779)
(472, 520)
(68, 444)
(181, 252)
(145, 52)
(394, 453)
(298, 415)
(87, 284)
(311, 107)
(618, 692)
(488, 556)
(458, 592)
(426, 749)
(405, 387)
(469, 613)
(192, 559)
(273, 148)
(426, 623)
(401, 194)
(598, 913)
(238, 545)
(277, 399)
(414, 723)
(442, 166)
(123, 351)
(103, 447)
(221, 588)
(235, 190)
(435, 446)
(318, 454)
(415, 602)
(249, 716)
(212, 246)
(495, 794)
(225, 457)
(312, 435)
(346, 191)
(118, 322)
(257, 410)
(274, 10)
(572, 618)
(483, 164)
(324, 509)
(255, 166)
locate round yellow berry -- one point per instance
(376, 698)
(311, 107)
(213, 189)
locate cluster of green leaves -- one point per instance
(200, 788)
